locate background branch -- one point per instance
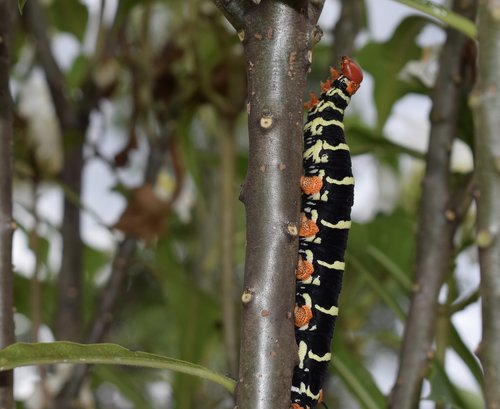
(102, 321)
(73, 121)
(435, 231)
(6, 222)
(347, 28)
(228, 242)
(486, 105)
(315, 8)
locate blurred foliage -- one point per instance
(170, 75)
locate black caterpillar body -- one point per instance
(328, 194)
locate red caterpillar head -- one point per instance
(352, 71)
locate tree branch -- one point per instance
(234, 11)
(36, 23)
(347, 28)
(73, 121)
(6, 222)
(103, 318)
(278, 42)
(435, 232)
(486, 105)
(227, 240)
(315, 9)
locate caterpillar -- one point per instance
(327, 197)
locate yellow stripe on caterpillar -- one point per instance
(325, 105)
(334, 311)
(348, 180)
(325, 358)
(336, 265)
(316, 125)
(337, 91)
(342, 224)
(302, 353)
(307, 391)
(320, 145)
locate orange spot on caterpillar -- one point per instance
(304, 269)
(321, 397)
(295, 406)
(302, 315)
(311, 185)
(312, 103)
(307, 228)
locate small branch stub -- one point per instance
(292, 229)
(246, 297)
(484, 238)
(266, 120)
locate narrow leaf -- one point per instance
(379, 288)
(467, 356)
(357, 379)
(444, 15)
(21, 4)
(24, 354)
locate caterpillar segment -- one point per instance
(327, 197)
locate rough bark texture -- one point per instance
(277, 37)
(486, 104)
(6, 221)
(435, 232)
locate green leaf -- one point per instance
(69, 16)
(357, 379)
(444, 15)
(127, 383)
(93, 260)
(363, 139)
(384, 61)
(394, 270)
(379, 288)
(25, 354)
(466, 355)
(78, 72)
(21, 4)
(444, 390)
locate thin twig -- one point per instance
(6, 222)
(102, 318)
(73, 124)
(36, 24)
(347, 28)
(228, 249)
